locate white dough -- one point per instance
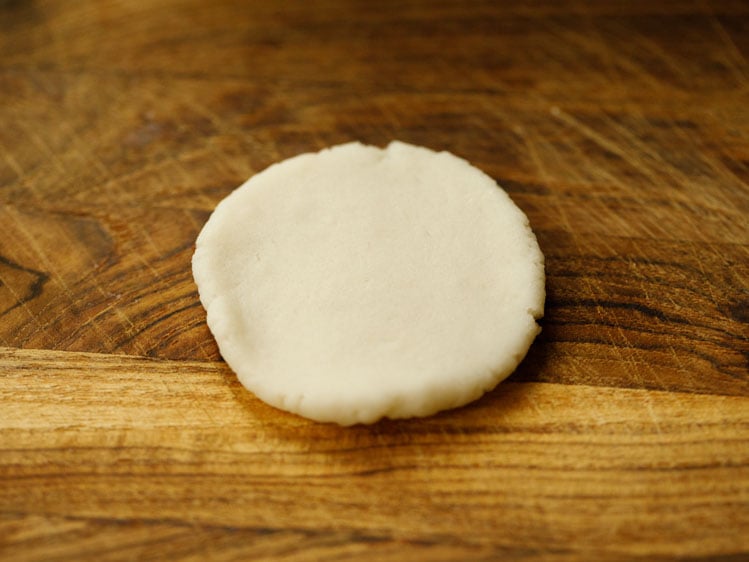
(359, 282)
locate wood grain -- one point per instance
(621, 129)
(100, 442)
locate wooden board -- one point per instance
(621, 129)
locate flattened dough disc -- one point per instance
(359, 282)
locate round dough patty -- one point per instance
(359, 283)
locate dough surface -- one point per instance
(359, 283)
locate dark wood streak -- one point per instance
(34, 289)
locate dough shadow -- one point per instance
(413, 443)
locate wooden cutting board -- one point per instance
(621, 129)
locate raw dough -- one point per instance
(359, 282)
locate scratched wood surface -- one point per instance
(621, 129)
